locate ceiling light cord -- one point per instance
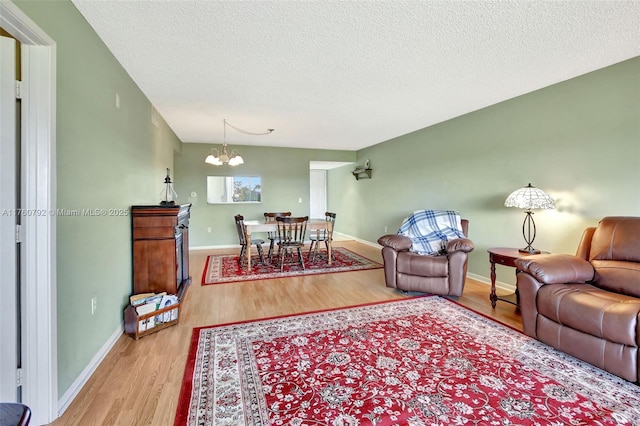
(246, 132)
(223, 156)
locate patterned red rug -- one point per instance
(221, 269)
(420, 361)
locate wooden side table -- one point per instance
(504, 256)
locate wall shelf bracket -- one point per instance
(362, 173)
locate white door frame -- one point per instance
(39, 317)
(8, 259)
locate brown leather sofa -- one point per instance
(442, 274)
(588, 305)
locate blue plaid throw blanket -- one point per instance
(429, 230)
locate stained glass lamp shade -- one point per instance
(529, 198)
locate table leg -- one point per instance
(493, 297)
(248, 238)
(330, 242)
(517, 292)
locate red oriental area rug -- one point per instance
(420, 361)
(221, 269)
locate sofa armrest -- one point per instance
(396, 242)
(527, 287)
(460, 244)
(556, 268)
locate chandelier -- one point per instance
(223, 156)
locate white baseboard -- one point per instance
(499, 284)
(228, 246)
(81, 380)
(339, 236)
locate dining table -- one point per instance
(255, 226)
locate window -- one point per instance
(234, 189)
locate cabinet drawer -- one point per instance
(506, 261)
(154, 222)
(154, 227)
(154, 233)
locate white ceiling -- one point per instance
(350, 74)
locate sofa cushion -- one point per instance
(424, 266)
(591, 310)
(617, 276)
(616, 238)
(619, 359)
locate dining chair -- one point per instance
(14, 414)
(273, 235)
(291, 234)
(242, 236)
(322, 235)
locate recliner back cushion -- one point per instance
(618, 277)
(615, 255)
(616, 238)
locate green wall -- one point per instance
(579, 140)
(107, 158)
(285, 179)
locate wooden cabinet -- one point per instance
(160, 236)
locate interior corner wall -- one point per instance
(108, 158)
(579, 140)
(285, 187)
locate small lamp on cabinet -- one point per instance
(169, 196)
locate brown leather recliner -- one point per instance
(588, 305)
(442, 274)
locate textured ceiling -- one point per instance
(350, 74)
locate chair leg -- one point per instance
(260, 253)
(282, 254)
(243, 249)
(315, 251)
(300, 258)
(311, 250)
(271, 244)
(326, 244)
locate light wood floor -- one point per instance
(138, 382)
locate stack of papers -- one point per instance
(147, 303)
(145, 298)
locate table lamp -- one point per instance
(529, 198)
(169, 196)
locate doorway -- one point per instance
(318, 187)
(318, 193)
(36, 165)
(10, 305)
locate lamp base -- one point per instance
(529, 250)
